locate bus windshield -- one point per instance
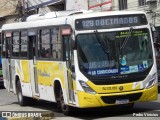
(101, 54)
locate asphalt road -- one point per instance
(8, 102)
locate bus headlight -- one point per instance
(152, 81)
(86, 87)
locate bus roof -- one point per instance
(64, 20)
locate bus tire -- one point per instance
(23, 101)
(67, 110)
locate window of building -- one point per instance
(15, 44)
(141, 2)
(122, 4)
(23, 45)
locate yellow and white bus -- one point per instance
(81, 59)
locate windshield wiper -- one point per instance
(126, 39)
(102, 42)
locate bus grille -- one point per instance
(112, 99)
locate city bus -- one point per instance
(1, 77)
(81, 59)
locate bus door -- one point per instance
(70, 67)
(8, 57)
(32, 36)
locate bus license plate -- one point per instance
(123, 101)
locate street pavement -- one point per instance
(8, 102)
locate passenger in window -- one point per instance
(47, 54)
(54, 53)
(8, 53)
(43, 52)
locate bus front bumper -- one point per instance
(87, 100)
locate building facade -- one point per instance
(8, 11)
(43, 6)
(151, 7)
(18, 10)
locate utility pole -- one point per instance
(19, 11)
(25, 9)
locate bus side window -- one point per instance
(56, 43)
(15, 44)
(45, 51)
(3, 45)
(23, 44)
(56, 51)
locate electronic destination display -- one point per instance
(107, 22)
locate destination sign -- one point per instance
(107, 22)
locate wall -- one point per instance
(8, 7)
(76, 4)
(100, 5)
(8, 11)
(44, 6)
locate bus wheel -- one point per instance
(65, 108)
(21, 99)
